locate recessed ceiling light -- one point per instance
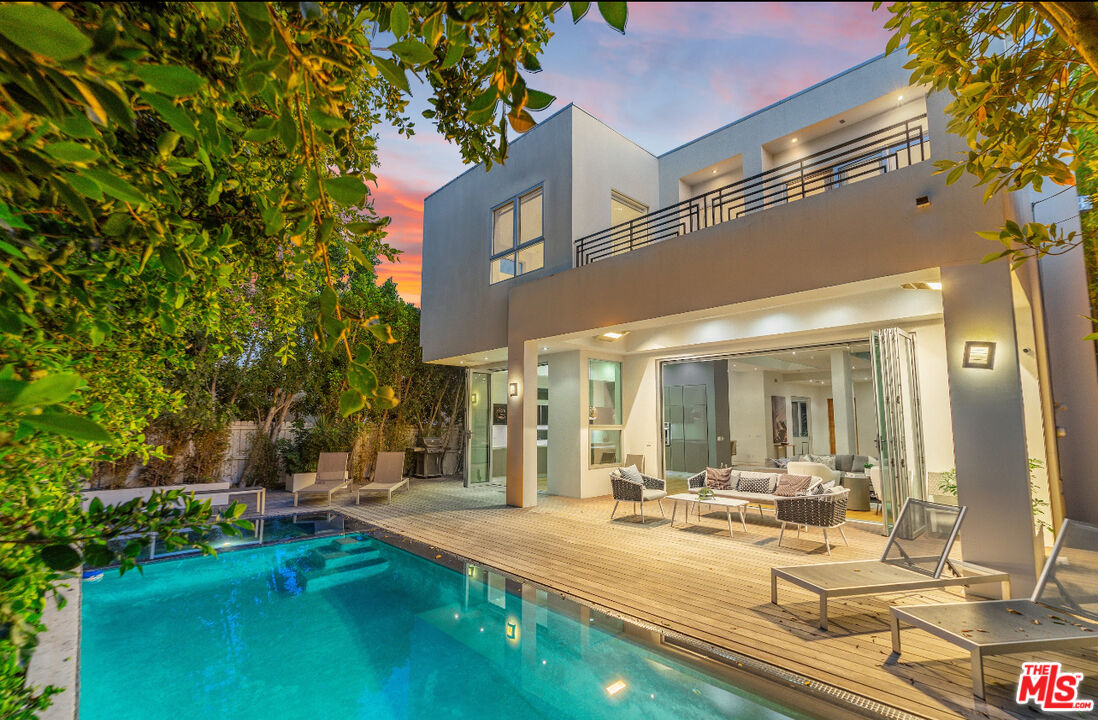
(612, 335)
(794, 139)
(714, 172)
(934, 285)
(901, 97)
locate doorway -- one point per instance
(800, 437)
(487, 436)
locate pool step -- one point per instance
(345, 573)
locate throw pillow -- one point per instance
(828, 460)
(791, 485)
(718, 478)
(754, 482)
(632, 474)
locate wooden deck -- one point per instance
(699, 582)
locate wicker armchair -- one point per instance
(696, 482)
(827, 511)
(629, 491)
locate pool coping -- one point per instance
(782, 686)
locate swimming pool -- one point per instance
(349, 626)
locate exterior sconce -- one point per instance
(512, 631)
(475, 398)
(513, 387)
(921, 202)
(979, 355)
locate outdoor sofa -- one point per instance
(757, 488)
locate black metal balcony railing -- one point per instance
(875, 153)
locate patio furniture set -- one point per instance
(332, 475)
(801, 501)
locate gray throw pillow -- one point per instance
(632, 474)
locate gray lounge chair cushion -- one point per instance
(654, 494)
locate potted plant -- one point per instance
(705, 493)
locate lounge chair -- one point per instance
(626, 490)
(1062, 613)
(331, 475)
(914, 558)
(826, 511)
(388, 476)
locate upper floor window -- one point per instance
(518, 240)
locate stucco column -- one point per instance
(522, 424)
(989, 435)
(842, 397)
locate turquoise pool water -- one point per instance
(351, 627)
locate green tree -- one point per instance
(156, 163)
(1023, 78)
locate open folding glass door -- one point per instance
(480, 424)
(899, 421)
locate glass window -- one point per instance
(503, 229)
(517, 245)
(530, 258)
(604, 378)
(624, 208)
(503, 268)
(530, 217)
(605, 447)
(604, 412)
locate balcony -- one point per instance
(875, 153)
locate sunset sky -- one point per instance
(680, 71)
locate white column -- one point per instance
(989, 434)
(842, 397)
(522, 424)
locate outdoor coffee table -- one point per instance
(725, 502)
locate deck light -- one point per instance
(979, 355)
(514, 389)
(616, 687)
(922, 202)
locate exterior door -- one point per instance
(685, 428)
(480, 424)
(899, 420)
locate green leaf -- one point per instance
(172, 80)
(453, 53)
(615, 14)
(579, 9)
(70, 152)
(399, 21)
(287, 130)
(83, 185)
(170, 259)
(60, 557)
(328, 300)
(520, 121)
(538, 100)
(413, 52)
(49, 390)
(116, 187)
(328, 122)
(346, 190)
(351, 401)
(40, 29)
(69, 425)
(486, 100)
(355, 252)
(176, 117)
(392, 72)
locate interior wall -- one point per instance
(865, 405)
(930, 354)
(750, 415)
(640, 402)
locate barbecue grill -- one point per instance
(429, 457)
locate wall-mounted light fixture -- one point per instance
(511, 631)
(475, 398)
(980, 355)
(922, 202)
(513, 387)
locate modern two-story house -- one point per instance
(799, 281)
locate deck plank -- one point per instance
(699, 582)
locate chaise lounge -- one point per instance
(388, 476)
(914, 558)
(331, 475)
(1062, 613)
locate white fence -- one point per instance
(240, 441)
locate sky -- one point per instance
(680, 71)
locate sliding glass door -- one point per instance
(480, 419)
(899, 420)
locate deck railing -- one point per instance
(869, 155)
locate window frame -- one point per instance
(515, 201)
(619, 427)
